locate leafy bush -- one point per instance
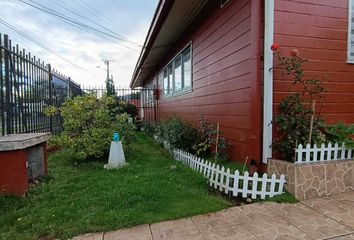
(148, 128)
(209, 137)
(89, 124)
(159, 131)
(297, 120)
(125, 107)
(117, 106)
(340, 133)
(293, 123)
(197, 139)
(178, 133)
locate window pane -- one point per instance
(351, 33)
(187, 68)
(146, 96)
(170, 79)
(165, 83)
(160, 81)
(178, 74)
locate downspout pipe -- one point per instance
(255, 151)
(268, 80)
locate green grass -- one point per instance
(80, 198)
(232, 165)
(283, 198)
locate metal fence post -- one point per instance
(50, 82)
(2, 88)
(69, 89)
(7, 85)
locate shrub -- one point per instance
(148, 128)
(297, 120)
(178, 133)
(159, 132)
(117, 106)
(197, 139)
(89, 124)
(125, 107)
(208, 134)
(293, 123)
(340, 133)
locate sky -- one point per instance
(83, 51)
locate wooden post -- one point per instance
(217, 141)
(313, 106)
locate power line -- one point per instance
(93, 11)
(88, 19)
(76, 23)
(3, 22)
(73, 22)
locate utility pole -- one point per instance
(106, 62)
(109, 82)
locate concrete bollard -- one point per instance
(116, 154)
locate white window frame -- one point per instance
(223, 3)
(184, 89)
(350, 49)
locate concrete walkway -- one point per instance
(326, 218)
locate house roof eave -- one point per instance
(171, 19)
(161, 12)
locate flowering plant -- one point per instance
(297, 121)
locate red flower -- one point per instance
(294, 53)
(274, 47)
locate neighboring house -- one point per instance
(207, 57)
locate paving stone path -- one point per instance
(321, 218)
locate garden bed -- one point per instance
(316, 179)
(83, 197)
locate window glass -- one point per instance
(150, 96)
(187, 68)
(170, 79)
(165, 82)
(178, 74)
(160, 80)
(351, 33)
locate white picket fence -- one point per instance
(323, 153)
(235, 183)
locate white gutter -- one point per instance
(268, 80)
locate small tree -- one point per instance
(297, 121)
(89, 124)
(110, 88)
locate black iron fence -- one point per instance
(27, 86)
(145, 100)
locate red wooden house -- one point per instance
(207, 57)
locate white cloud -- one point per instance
(81, 48)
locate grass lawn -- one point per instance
(80, 198)
(283, 198)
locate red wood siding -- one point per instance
(13, 173)
(224, 78)
(318, 29)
